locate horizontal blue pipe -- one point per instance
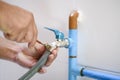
(99, 75)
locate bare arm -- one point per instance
(26, 57)
(17, 24)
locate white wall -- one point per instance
(99, 35)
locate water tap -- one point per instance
(60, 42)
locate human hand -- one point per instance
(26, 57)
(29, 57)
(17, 24)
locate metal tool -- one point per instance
(61, 42)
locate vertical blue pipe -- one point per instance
(73, 68)
(72, 54)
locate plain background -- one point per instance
(98, 40)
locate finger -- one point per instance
(21, 36)
(42, 70)
(40, 48)
(51, 58)
(35, 33)
(23, 40)
(29, 36)
(5, 35)
(10, 36)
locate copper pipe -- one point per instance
(73, 19)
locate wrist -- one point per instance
(8, 50)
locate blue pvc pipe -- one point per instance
(73, 68)
(99, 75)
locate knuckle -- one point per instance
(30, 16)
(51, 57)
(26, 22)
